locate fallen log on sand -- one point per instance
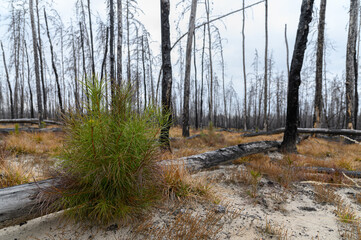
(223, 155)
(29, 120)
(30, 130)
(17, 203)
(347, 132)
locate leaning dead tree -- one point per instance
(294, 80)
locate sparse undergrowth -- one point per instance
(345, 213)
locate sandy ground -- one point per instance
(294, 213)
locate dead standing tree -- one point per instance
(351, 64)
(119, 42)
(319, 64)
(53, 64)
(36, 62)
(265, 117)
(192, 20)
(244, 68)
(294, 80)
(167, 73)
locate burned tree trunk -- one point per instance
(265, 116)
(105, 55)
(167, 73)
(244, 68)
(350, 64)
(119, 42)
(36, 62)
(53, 64)
(192, 20)
(294, 81)
(319, 64)
(91, 42)
(29, 85)
(9, 84)
(111, 49)
(40, 59)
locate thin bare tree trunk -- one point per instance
(111, 49)
(91, 42)
(83, 54)
(244, 68)
(211, 117)
(192, 20)
(128, 44)
(105, 55)
(144, 79)
(29, 85)
(39, 48)
(167, 73)
(119, 42)
(287, 53)
(9, 84)
(265, 117)
(53, 64)
(195, 83)
(202, 75)
(36, 62)
(350, 64)
(319, 65)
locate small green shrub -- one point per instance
(108, 169)
(16, 129)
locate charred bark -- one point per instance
(294, 81)
(167, 73)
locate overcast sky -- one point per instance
(281, 12)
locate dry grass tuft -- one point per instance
(274, 230)
(185, 226)
(34, 143)
(178, 185)
(16, 174)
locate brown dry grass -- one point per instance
(34, 143)
(179, 185)
(184, 226)
(322, 153)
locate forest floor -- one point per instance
(263, 196)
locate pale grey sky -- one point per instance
(281, 12)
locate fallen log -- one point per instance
(29, 120)
(223, 155)
(347, 132)
(30, 130)
(17, 203)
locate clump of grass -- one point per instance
(177, 184)
(274, 230)
(15, 174)
(186, 225)
(108, 168)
